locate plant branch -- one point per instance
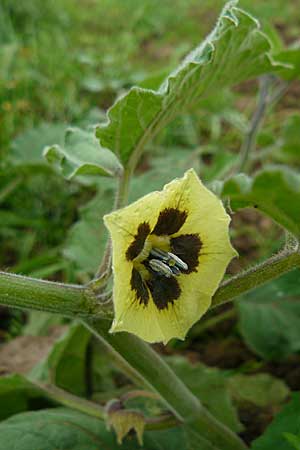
(249, 142)
(137, 394)
(161, 379)
(266, 101)
(17, 291)
(256, 276)
(72, 401)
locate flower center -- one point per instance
(155, 259)
(166, 263)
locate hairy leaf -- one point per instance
(236, 50)
(66, 429)
(81, 154)
(274, 191)
(290, 56)
(17, 394)
(86, 239)
(27, 147)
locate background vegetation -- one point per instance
(64, 63)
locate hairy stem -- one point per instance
(256, 276)
(162, 380)
(30, 293)
(72, 401)
(17, 291)
(104, 270)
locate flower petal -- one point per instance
(195, 223)
(128, 229)
(169, 221)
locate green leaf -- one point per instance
(260, 389)
(236, 50)
(17, 394)
(196, 442)
(210, 386)
(293, 440)
(86, 239)
(290, 146)
(274, 191)
(286, 422)
(163, 169)
(290, 56)
(269, 317)
(65, 364)
(27, 148)
(38, 323)
(66, 429)
(82, 154)
(221, 163)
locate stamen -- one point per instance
(169, 258)
(175, 261)
(175, 270)
(160, 267)
(159, 254)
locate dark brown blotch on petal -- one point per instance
(187, 247)
(140, 288)
(164, 291)
(170, 221)
(137, 245)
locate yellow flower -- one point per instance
(170, 251)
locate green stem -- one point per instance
(72, 401)
(266, 101)
(30, 293)
(123, 190)
(137, 393)
(256, 276)
(17, 291)
(162, 380)
(104, 270)
(93, 409)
